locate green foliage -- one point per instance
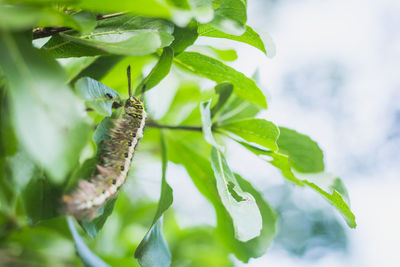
(49, 141)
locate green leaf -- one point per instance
(24, 17)
(159, 71)
(99, 68)
(88, 257)
(224, 91)
(8, 138)
(202, 10)
(237, 108)
(240, 205)
(230, 17)
(75, 65)
(184, 37)
(304, 153)
(41, 199)
(151, 8)
(225, 55)
(97, 95)
(281, 161)
(92, 228)
(249, 37)
(123, 35)
(153, 250)
(86, 21)
(48, 118)
(183, 146)
(259, 131)
(215, 70)
(185, 101)
(207, 124)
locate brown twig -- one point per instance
(49, 31)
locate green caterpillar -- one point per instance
(114, 162)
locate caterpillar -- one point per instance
(114, 162)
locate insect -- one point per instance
(114, 162)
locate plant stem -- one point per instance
(49, 31)
(154, 124)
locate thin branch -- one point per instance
(49, 31)
(161, 126)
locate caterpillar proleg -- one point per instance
(114, 162)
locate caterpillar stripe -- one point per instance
(114, 164)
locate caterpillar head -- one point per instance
(133, 106)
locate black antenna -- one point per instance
(128, 72)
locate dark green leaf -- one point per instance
(249, 37)
(259, 131)
(207, 124)
(240, 205)
(93, 227)
(160, 70)
(224, 91)
(8, 138)
(48, 118)
(97, 95)
(184, 37)
(217, 71)
(304, 153)
(153, 250)
(41, 199)
(88, 257)
(123, 35)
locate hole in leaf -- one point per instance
(234, 194)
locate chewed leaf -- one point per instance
(97, 95)
(241, 206)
